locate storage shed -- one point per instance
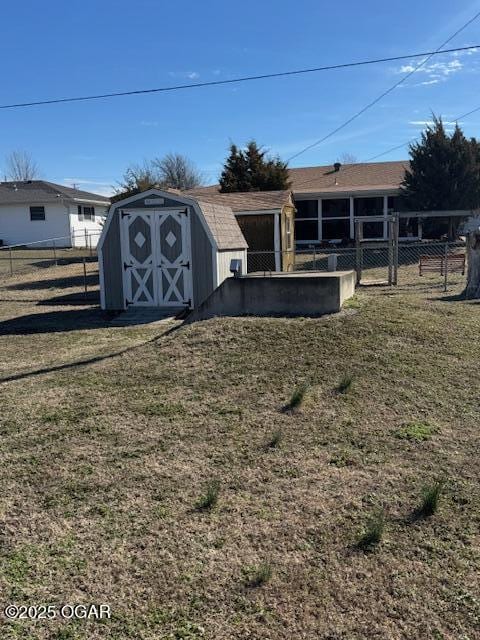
(267, 221)
(163, 249)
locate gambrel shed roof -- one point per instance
(223, 226)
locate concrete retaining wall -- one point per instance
(279, 294)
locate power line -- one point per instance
(385, 93)
(215, 83)
(469, 113)
(384, 153)
(400, 146)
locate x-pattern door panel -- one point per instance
(174, 258)
(139, 258)
(156, 257)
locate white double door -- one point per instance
(156, 257)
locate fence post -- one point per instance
(314, 258)
(445, 268)
(86, 239)
(11, 260)
(358, 251)
(390, 252)
(55, 253)
(396, 248)
(85, 277)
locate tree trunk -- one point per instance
(473, 257)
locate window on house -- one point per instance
(336, 229)
(336, 208)
(306, 230)
(306, 221)
(37, 213)
(85, 212)
(370, 207)
(306, 209)
(336, 219)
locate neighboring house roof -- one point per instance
(245, 201)
(358, 177)
(223, 225)
(31, 191)
(364, 176)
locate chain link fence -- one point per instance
(27, 271)
(421, 264)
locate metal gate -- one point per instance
(156, 258)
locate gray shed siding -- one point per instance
(202, 260)
(202, 266)
(112, 266)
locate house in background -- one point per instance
(323, 203)
(37, 210)
(328, 199)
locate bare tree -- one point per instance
(21, 166)
(137, 178)
(172, 171)
(178, 172)
(348, 158)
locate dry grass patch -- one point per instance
(101, 465)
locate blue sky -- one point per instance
(86, 47)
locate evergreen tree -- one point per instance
(444, 171)
(252, 170)
(235, 175)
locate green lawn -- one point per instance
(167, 477)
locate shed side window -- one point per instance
(37, 213)
(288, 232)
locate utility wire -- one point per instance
(400, 146)
(469, 113)
(215, 83)
(385, 93)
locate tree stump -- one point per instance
(473, 256)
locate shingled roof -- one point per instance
(363, 176)
(223, 225)
(20, 192)
(245, 201)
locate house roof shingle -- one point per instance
(20, 192)
(363, 176)
(245, 201)
(223, 225)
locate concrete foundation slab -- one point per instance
(309, 293)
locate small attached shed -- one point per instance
(160, 249)
(267, 221)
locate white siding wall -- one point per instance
(223, 263)
(17, 228)
(87, 231)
